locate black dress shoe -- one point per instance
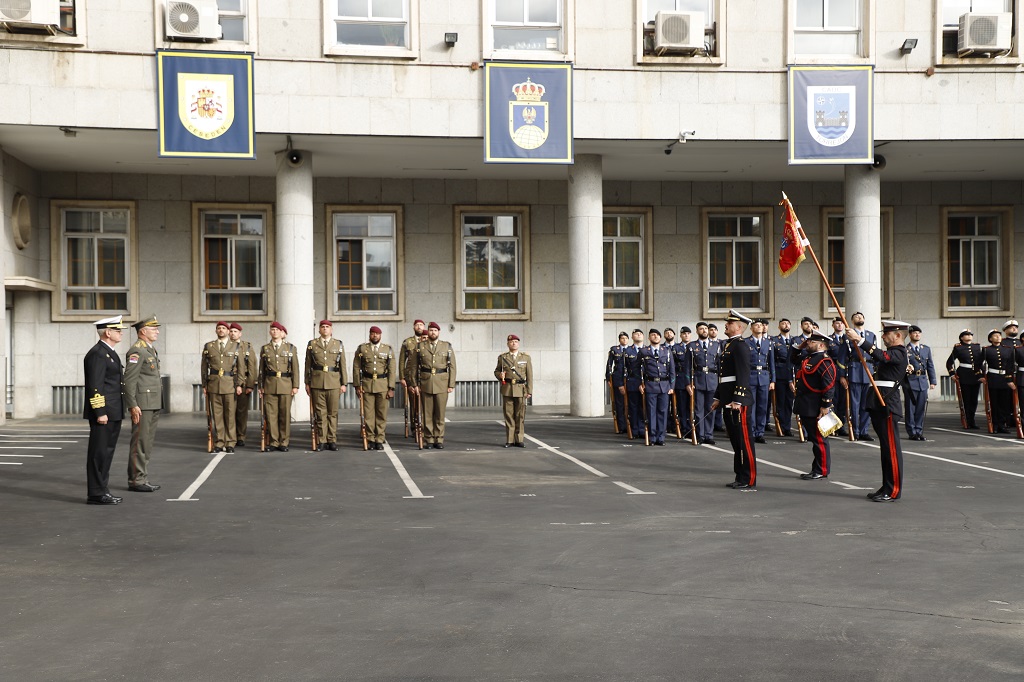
(812, 476)
(747, 488)
(318, 448)
(229, 449)
(282, 448)
(218, 449)
(842, 432)
(380, 446)
(883, 498)
(865, 437)
(759, 439)
(872, 495)
(439, 446)
(102, 499)
(332, 447)
(789, 434)
(1002, 429)
(732, 484)
(240, 444)
(508, 445)
(520, 445)
(710, 441)
(144, 488)
(660, 442)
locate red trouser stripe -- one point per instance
(748, 446)
(896, 474)
(821, 449)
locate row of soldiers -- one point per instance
(998, 368)
(691, 366)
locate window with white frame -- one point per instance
(528, 25)
(234, 260)
(95, 252)
(492, 261)
(735, 261)
(835, 238)
(975, 276)
(68, 24)
(708, 8)
(232, 16)
(950, 12)
(364, 248)
(375, 24)
(624, 267)
(828, 27)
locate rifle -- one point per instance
(988, 407)
(416, 409)
(313, 422)
(406, 411)
(960, 401)
(775, 414)
(362, 419)
(693, 423)
(1016, 411)
(675, 413)
(615, 418)
(849, 414)
(209, 423)
(647, 425)
(263, 425)
(625, 410)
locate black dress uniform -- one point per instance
(969, 372)
(890, 372)
(999, 371)
(733, 387)
(659, 379)
(104, 389)
(615, 372)
(782, 349)
(815, 391)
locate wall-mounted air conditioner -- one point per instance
(984, 33)
(30, 15)
(678, 32)
(191, 20)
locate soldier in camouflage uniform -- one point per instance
(142, 396)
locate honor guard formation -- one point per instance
(849, 383)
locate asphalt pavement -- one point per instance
(584, 556)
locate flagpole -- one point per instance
(807, 243)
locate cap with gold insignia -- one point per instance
(148, 322)
(991, 332)
(734, 316)
(817, 336)
(1011, 323)
(111, 323)
(895, 326)
(966, 332)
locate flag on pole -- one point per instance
(791, 250)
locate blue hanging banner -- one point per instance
(528, 113)
(831, 115)
(205, 104)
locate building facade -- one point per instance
(388, 212)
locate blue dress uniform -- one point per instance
(704, 362)
(762, 373)
(615, 372)
(890, 372)
(920, 374)
(860, 387)
(842, 353)
(781, 351)
(104, 389)
(999, 374)
(969, 372)
(659, 373)
(733, 377)
(633, 380)
(681, 360)
(815, 389)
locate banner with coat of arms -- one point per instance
(831, 115)
(528, 113)
(205, 105)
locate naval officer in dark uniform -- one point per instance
(815, 388)
(965, 364)
(733, 395)
(889, 373)
(104, 408)
(615, 373)
(999, 375)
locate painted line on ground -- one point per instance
(950, 461)
(4, 455)
(414, 490)
(9, 442)
(187, 495)
(1007, 441)
(847, 486)
(27, 447)
(12, 464)
(632, 490)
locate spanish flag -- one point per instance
(791, 251)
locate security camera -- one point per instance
(295, 158)
(668, 151)
(879, 162)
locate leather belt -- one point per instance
(221, 373)
(918, 372)
(885, 384)
(759, 368)
(373, 375)
(704, 369)
(321, 368)
(286, 375)
(434, 371)
(726, 380)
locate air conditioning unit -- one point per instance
(30, 15)
(984, 33)
(191, 20)
(678, 32)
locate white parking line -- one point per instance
(631, 489)
(11, 464)
(1008, 441)
(187, 495)
(3, 455)
(34, 440)
(951, 461)
(414, 490)
(847, 486)
(26, 447)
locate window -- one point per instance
(835, 253)
(976, 251)
(735, 259)
(828, 27)
(364, 248)
(624, 262)
(950, 11)
(649, 13)
(67, 17)
(233, 259)
(232, 16)
(95, 257)
(532, 26)
(492, 243)
(375, 27)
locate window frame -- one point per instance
(567, 12)
(767, 286)
(866, 42)
(887, 215)
(199, 312)
(646, 239)
(331, 47)
(1012, 59)
(1005, 259)
(58, 259)
(330, 255)
(716, 27)
(244, 13)
(523, 266)
(75, 37)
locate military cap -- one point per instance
(327, 323)
(993, 331)
(512, 337)
(375, 330)
(712, 326)
(703, 324)
(277, 325)
(895, 326)
(111, 323)
(222, 323)
(416, 322)
(148, 322)
(806, 319)
(817, 336)
(655, 331)
(734, 316)
(1011, 323)
(914, 328)
(434, 325)
(235, 325)
(837, 319)
(762, 320)
(638, 330)
(784, 319)
(966, 332)
(685, 330)
(623, 333)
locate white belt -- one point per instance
(966, 366)
(726, 380)
(996, 371)
(1021, 369)
(885, 384)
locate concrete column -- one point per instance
(295, 307)
(863, 244)
(587, 353)
(5, 228)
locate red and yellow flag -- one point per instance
(791, 250)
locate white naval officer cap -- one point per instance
(895, 326)
(111, 323)
(734, 316)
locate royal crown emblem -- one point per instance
(528, 115)
(528, 91)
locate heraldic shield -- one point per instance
(206, 103)
(831, 113)
(528, 115)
